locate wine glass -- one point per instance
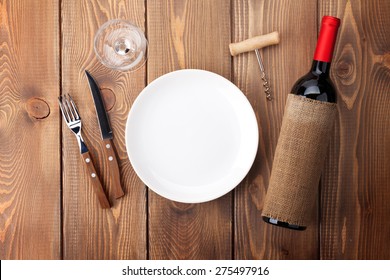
(121, 45)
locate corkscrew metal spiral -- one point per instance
(267, 88)
(255, 44)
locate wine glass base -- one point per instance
(121, 45)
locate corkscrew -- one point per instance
(256, 43)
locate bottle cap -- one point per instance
(327, 39)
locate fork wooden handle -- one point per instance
(97, 186)
(111, 158)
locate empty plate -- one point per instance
(191, 136)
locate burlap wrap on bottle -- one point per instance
(299, 157)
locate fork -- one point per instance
(73, 121)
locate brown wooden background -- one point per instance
(47, 207)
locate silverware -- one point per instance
(73, 121)
(106, 133)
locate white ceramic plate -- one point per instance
(191, 136)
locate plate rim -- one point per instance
(192, 199)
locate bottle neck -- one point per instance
(327, 39)
(320, 68)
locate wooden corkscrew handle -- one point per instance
(253, 43)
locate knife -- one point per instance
(107, 136)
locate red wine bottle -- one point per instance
(316, 85)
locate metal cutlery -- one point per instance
(106, 133)
(73, 121)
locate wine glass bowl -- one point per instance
(121, 45)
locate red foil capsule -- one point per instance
(327, 39)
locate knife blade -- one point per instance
(104, 124)
(107, 136)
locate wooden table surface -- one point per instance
(47, 207)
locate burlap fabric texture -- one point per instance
(299, 157)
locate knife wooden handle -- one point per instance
(257, 42)
(114, 168)
(97, 186)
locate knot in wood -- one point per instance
(344, 69)
(285, 252)
(346, 66)
(386, 60)
(109, 98)
(37, 108)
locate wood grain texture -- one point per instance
(189, 34)
(89, 231)
(30, 181)
(45, 45)
(284, 64)
(356, 186)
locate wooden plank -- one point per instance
(284, 64)
(30, 181)
(89, 231)
(356, 187)
(189, 34)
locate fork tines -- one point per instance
(68, 108)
